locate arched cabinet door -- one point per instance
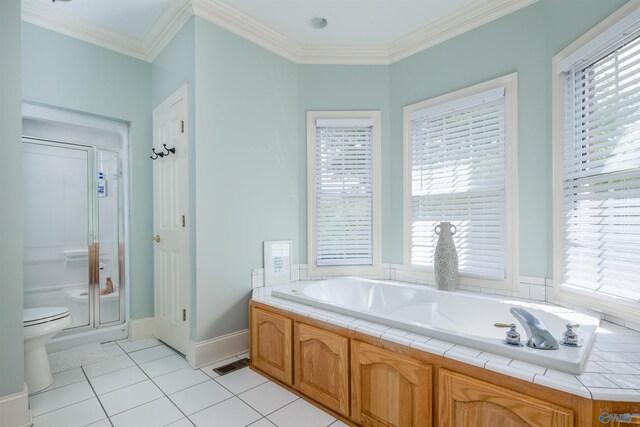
(271, 344)
(388, 389)
(466, 402)
(321, 366)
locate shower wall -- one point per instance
(55, 223)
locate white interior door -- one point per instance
(171, 204)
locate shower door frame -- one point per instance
(93, 232)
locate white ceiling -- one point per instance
(351, 22)
(132, 17)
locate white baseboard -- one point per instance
(141, 328)
(14, 410)
(202, 353)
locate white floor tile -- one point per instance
(106, 366)
(164, 366)
(179, 380)
(230, 413)
(118, 379)
(60, 397)
(338, 424)
(153, 414)
(76, 415)
(65, 378)
(129, 397)
(267, 397)
(152, 353)
(130, 346)
(209, 368)
(262, 423)
(181, 423)
(113, 349)
(200, 396)
(300, 413)
(241, 380)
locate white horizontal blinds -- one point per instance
(458, 175)
(344, 192)
(602, 173)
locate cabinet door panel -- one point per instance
(388, 389)
(271, 344)
(321, 364)
(467, 402)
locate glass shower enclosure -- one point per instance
(74, 230)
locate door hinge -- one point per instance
(182, 126)
(184, 221)
(184, 314)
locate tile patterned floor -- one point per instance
(147, 384)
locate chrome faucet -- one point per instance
(537, 335)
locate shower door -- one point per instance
(73, 231)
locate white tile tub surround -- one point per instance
(598, 381)
(534, 288)
(123, 394)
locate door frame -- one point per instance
(182, 93)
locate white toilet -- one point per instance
(41, 324)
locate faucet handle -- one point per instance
(570, 338)
(513, 337)
(503, 325)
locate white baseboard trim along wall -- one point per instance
(202, 353)
(141, 328)
(14, 410)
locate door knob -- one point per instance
(157, 238)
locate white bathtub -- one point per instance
(460, 318)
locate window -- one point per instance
(343, 163)
(597, 167)
(460, 166)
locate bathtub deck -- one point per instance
(612, 372)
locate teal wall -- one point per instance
(11, 332)
(68, 73)
(171, 69)
(345, 87)
(522, 42)
(247, 169)
(248, 137)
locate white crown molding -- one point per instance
(177, 12)
(238, 22)
(336, 54)
(455, 24)
(68, 24)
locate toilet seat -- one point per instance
(37, 316)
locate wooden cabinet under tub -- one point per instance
(368, 381)
(467, 402)
(321, 367)
(271, 344)
(388, 389)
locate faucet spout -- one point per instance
(537, 335)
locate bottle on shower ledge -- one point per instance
(108, 287)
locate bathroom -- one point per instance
(247, 98)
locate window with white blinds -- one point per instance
(343, 156)
(457, 153)
(600, 221)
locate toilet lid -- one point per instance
(35, 316)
